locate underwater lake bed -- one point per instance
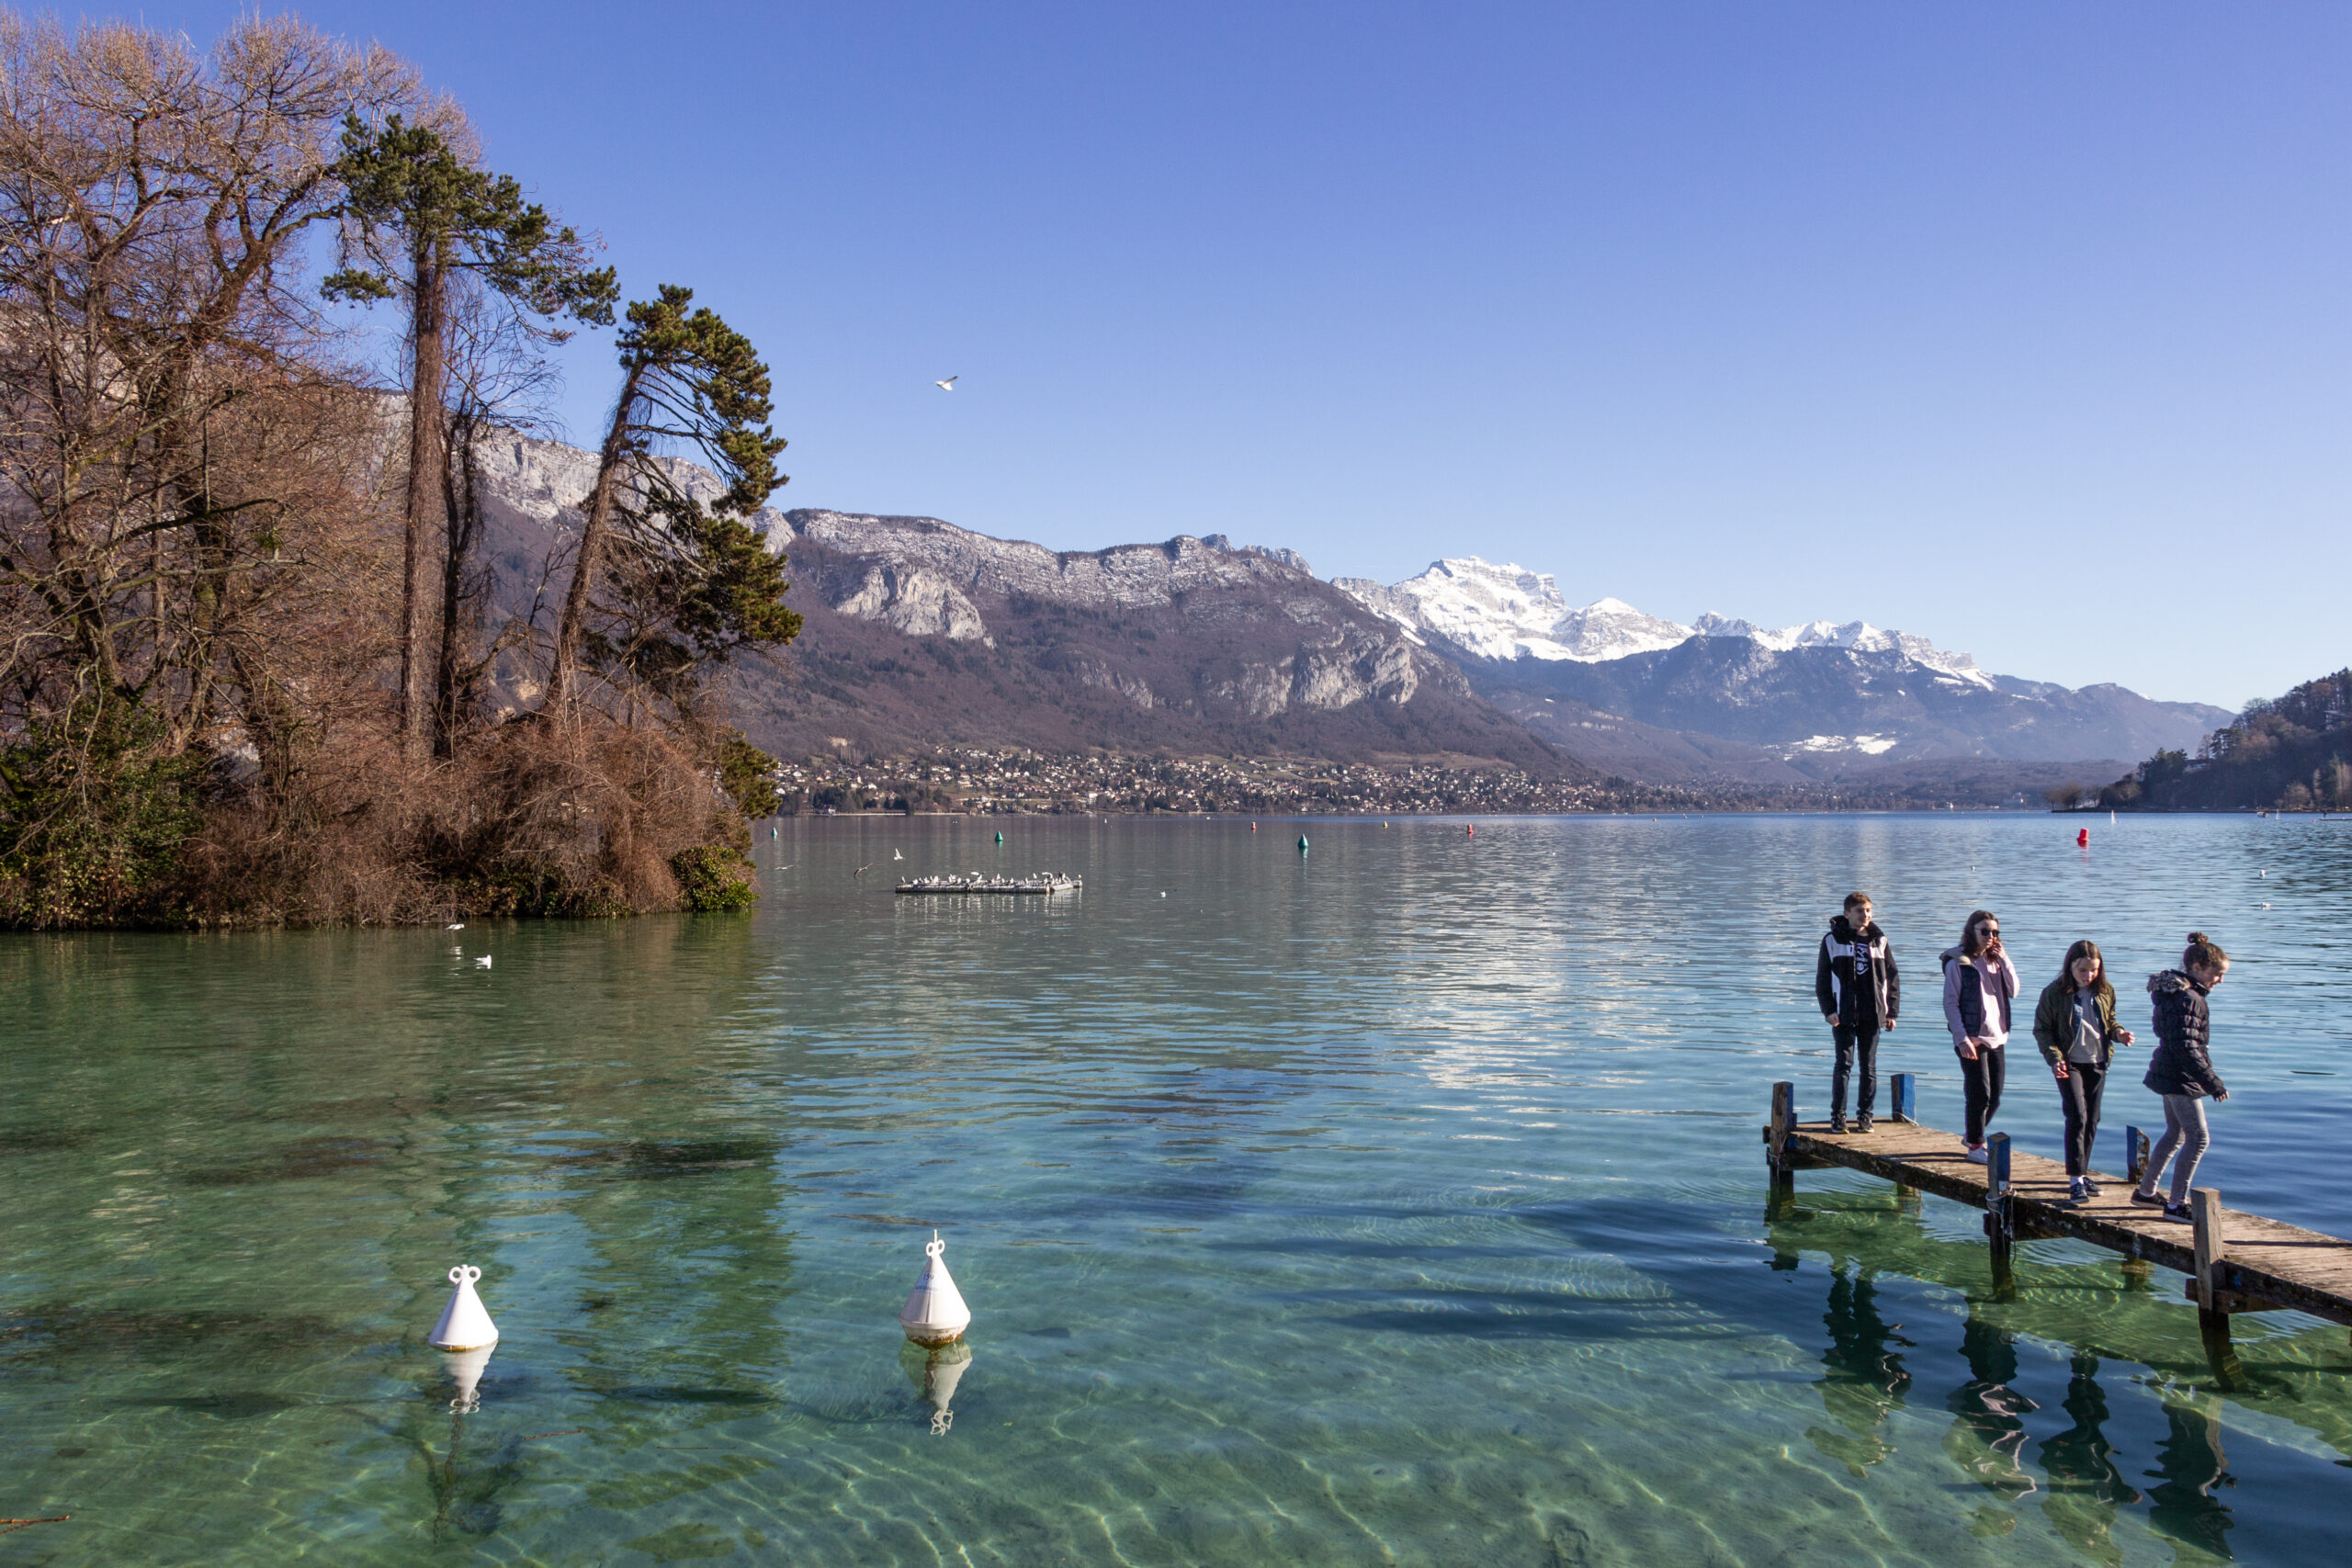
(1397, 1200)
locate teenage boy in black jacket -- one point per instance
(1859, 993)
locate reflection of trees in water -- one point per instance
(1865, 1379)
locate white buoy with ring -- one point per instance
(935, 1312)
(465, 1323)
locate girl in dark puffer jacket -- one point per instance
(2180, 1070)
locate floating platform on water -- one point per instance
(1036, 882)
(2235, 1261)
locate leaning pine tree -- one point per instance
(664, 586)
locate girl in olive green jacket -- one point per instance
(2075, 1025)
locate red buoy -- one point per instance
(2083, 840)
(1474, 829)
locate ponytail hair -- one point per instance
(2203, 953)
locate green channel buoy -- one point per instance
(999, 838)
(1302, 841)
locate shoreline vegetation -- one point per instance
(2288, 753)
(257, 304)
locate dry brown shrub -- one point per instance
(534, 819)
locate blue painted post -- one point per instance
(1906, 1086)
(2135, 1155)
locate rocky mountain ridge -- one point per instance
(922, 633)
(919, 633)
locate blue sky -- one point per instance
(2024, 328)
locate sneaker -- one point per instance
(2180, 1213)
(1862, 1123)
(1837, 1121)
(2077, 1188)
(2150, 1198)
(1977, 1154)
(2091, 1189)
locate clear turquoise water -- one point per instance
(1400, 1203)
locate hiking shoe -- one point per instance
(2180, 1212)
(2150, 1198)
(1977, 1154)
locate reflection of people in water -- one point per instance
(1988, 1436)
(2189, 1466)
(2085, 1487)
(1865, 1381)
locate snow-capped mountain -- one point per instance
(1639, 686)
(1859, 635)
(1507, 612)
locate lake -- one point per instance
(1400, 1202)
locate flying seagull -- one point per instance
(948, 385)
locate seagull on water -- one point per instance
(948, 385)
(458, 927)
(483, 962)
(896, 855)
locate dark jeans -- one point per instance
(1855, 1040)
(2078, 1091)
(1980, 1081)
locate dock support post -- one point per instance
(2000, 1208)
(1906, 1086)
(1784, 1122)
(2135, 1155)
(2213, 1286)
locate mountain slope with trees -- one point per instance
(2293, 752)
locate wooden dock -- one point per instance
(2235, 1261)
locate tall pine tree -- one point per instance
(419, 213)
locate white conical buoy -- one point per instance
(465, 1369)
(934, 1313)
(465, 1323)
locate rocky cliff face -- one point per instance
(919, 632)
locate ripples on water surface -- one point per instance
(1401, 1201)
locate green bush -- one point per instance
(711, 879)
(92, 820)
(748, 774)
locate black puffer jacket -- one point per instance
(2183, 1025)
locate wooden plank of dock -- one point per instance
(2265, 1264)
